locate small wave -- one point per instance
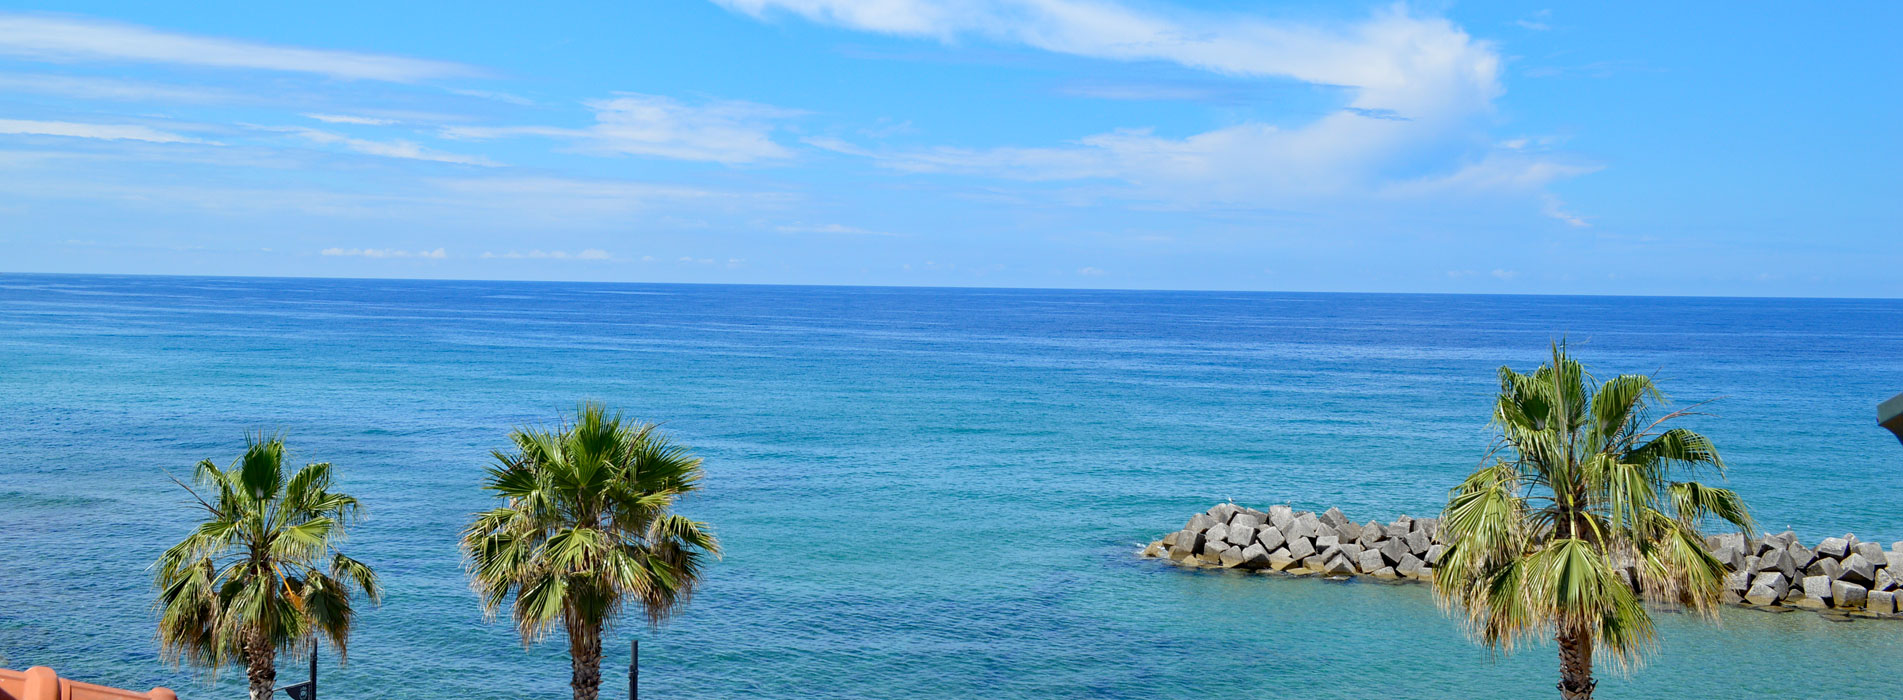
(40, 500)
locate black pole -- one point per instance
(313, 671)
(634, 670)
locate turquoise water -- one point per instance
(924, 493)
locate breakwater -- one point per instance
(1842, 574)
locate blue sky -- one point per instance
(1604, 148)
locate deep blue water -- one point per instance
(923, 493)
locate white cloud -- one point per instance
(240, 191)
(1418, 99)
(127, 132)
(64, 38)
(90, 88)
(1505, 274)
(389, 149)
(567, 197)
(1538, 21)
(653, 125)
(1395, 61)
(1496, 172)
(588, 254)
(830, 228)
(350, 119)
(436, 254)
(494, 95)
(1551, 206)
(1090, 271)
(1145, 91)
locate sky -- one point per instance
(1491, 147)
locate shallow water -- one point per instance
(924, 493)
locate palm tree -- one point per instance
(587, 526)
(1573, 521)
(261, 575)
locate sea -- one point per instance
(922, 493)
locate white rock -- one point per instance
(1802, 558)
(1847, 595)
(1255, 557)
(1338, 566)
(1394, 549)
(1409, 564)
(1270, 537)
(1370, 561)
(1858, 570)
(1216, 533)
(1872, 552)
(1187, 542)
(1371, 534)
(1334, 518)
(1769, 587)
(1240, 536)
(1881, 602)
(1232, 557)
(1281, 559)
(1816, 592)
(1418, 542)
(1761, 595)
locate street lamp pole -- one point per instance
(308, 689)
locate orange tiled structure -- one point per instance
(41, 683)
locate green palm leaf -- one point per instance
(1576, 525)
(586, 527)
(260, 576)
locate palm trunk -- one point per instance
(1575, 664)
(584, 654)
(261, 669)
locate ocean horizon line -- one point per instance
(923, 287)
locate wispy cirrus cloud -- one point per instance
(1418, 95)
(437, 254)
(398, 148)
(1149, 91)
(350, 119)
(93, 88)
(595, 254)
(61, 38)
(574, 194)
(839, 229)
(1394, 61)
(721, 131)
(109, 132)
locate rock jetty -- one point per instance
(1841, 574)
